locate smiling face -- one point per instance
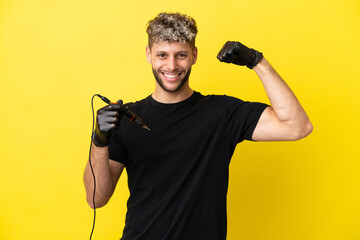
(171, 64)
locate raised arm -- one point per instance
(286, 120)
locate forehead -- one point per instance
(166, 46)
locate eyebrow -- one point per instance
(160, 52)
(183, 52)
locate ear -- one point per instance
(195, 54)
(148, 54)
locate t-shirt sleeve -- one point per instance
(242, 117)
(117, 150)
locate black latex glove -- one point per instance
(107, 119)
(239, 54)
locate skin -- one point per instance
(175, 59)
(286, 120)
(107, 174)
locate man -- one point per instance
(178, 171)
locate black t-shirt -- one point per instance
(178, 171)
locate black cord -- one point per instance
(92, 170)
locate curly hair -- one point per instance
(172, 27)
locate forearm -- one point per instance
(285, 105)
(104, 183)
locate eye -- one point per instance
(182, 55)
(161, 55)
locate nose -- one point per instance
(171, 64)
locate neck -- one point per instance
(171, 97)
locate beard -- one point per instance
(178, 87)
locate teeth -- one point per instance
(171, 75)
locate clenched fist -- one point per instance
(107, 119)
(239, 54)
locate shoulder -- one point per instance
(219, 104)
(219, 97)
(214, 97)
(221, 100)
(138, 104)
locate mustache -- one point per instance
(174, 71)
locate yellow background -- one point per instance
(55, 54)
